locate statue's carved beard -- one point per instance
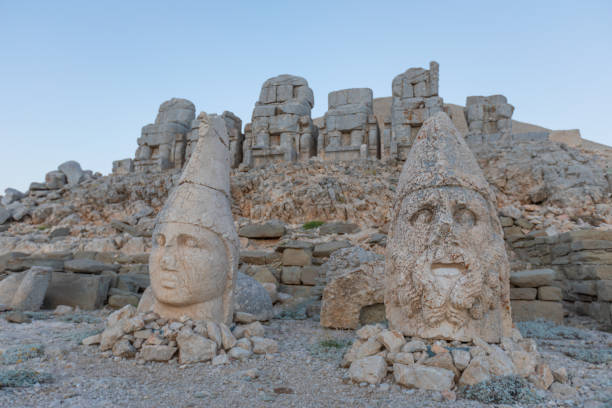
(470, 293)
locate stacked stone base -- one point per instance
(148, 337)
(443, 366)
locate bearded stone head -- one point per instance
(446, 272)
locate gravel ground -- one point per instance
(305, 372)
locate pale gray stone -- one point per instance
(72, 170)
(31, 291)
(252, 298)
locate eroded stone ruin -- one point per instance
(437, 232)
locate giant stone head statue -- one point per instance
(446, 271)
(194, 258)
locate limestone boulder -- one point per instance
(251, 297)
(194, 348)
(423, 377)
(354, 280)
(72, 170)
(368, 369)
(525, 310)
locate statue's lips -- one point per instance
(448, 270)
(168, 279)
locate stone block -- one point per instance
(291, 275)
(370, 369)
(88, 266)
(259, 257)
(591, 244)
(532, 278)
(296, 257)
(592, 257)
(30, 293)
(583, 287)
(525, 310)
(85, 291)
(552, 293)
(604, 291)
(523, 293)
(338, 228)
(325, 249)
(309, 274)
(269, 229)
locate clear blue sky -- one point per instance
(78, 79)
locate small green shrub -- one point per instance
(590, 356)
(18, 354)
(22, 378)
(42, 227)
(502, 390)
(334, 343)
(312, 225)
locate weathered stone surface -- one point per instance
(524, 362)
(72, 170)
(88, 266)
(477, 371)
(10, 196)
(194, 259)
(523, 293)
(368, 369)
(157, 353)
(325, 249)
(338, 228)
(552, 293)
(604, 291)
(270, 229)
(532, 278)
(251, 297)
(194, 348)
(296, 257)
(523, 310)
(543, 377)
(446, 271)
(461, 358)
(259, 257)
(262, 345)
(8, 288)
(354, 280)
(85, 291)
(31, 291)
(391, 339)
(423, 377)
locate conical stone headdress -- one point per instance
(441, 157)
(202, 197)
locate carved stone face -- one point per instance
(188, 264)
(444, 257)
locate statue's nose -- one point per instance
(445, 222)
(168, 261)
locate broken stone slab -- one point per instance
(88, 292)
(266, 230)
(525, 310)
(532, 278)
(551, 293)
(325, 249)
(423, 377)
(5, 215)
(11, 195)
(194, 348)
(338, 228)
(31, 291)
(370, 369)
(88, 266)
(157, 353)
(296, 257)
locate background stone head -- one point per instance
(446, 272)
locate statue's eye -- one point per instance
(189, 242)
(422, 217)
(160, 239)
(465, 217)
